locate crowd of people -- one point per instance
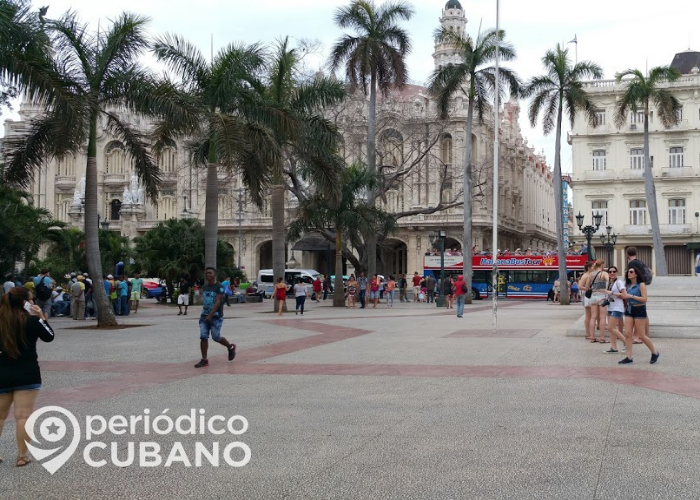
(583, 250)
(616, 305)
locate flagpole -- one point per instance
(494, 243)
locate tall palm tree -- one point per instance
(473, 77)
(641, 91)
(311, 141)
(557, 92)
(374, 56)
(348, 217)
(226, 95)
(101, 74)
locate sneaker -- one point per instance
(180, 313)
(232, 352)
(611, 351)
(655, 357)
(625, 361)
(202, 363)
(184, 314)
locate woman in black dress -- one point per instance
(21, 324)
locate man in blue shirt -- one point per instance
(212, 318)
(123, 296)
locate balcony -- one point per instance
(676, 228)
(168, 178)
(677, 172)
(598, 175)
(633, 173)
(633, 230)
(115, 180)
(65, 183)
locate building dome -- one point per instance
(453, 4)
(684, 62)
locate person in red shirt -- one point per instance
(318, 288)
(416, 285)
(460, 294)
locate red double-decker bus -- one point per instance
(519, 276)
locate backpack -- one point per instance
(43, 292)
(464, 287)
(647, 274)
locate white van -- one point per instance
(266, 280)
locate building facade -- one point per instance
(608, 167)
(421, 155)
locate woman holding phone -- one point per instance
(22, 324)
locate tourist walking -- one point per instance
(403, 288)
(22, 324)
(646, 277)
(460, 292)
(598, 285)
(430, 285)
(212, 317)
(390, 286)
(280, 294)
(318, 288)
(183, 298)
(300, 294)
(327, 285)
(447, 287)
(77, 291)
(43, 284)
(352, 291)
(362, 289)
(636, 313)
(416, 285)
(616, 310)
(374, 290)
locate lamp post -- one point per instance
(104, 224)
(440, 235)
(608, 240)
(589, 230)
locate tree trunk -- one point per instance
(372, 166)
(660, 268)
(105, 313)
(339, 292)
(559, 212)
(467, 188)
(211, 210)
(278, 239)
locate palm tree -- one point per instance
(101, 74)
(311, 141)
(560, 90)
(474, 78)
(348, 217)
(640, 91)
(226, 96)
(374, 55)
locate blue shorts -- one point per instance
(30, 387)
(373, 295)
(213, 327)
(615, 314)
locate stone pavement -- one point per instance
(403, 403)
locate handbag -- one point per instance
(589, 292)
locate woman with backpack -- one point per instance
(22, 324)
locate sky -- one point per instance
(616, 34)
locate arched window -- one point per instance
(167, 208)
(115, 158)
(167, 160)
(446, 150)
(114, 209)
(392, 144)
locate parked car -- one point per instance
(153, 289)
(265, 279)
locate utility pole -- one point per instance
(239, 192)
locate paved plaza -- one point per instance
(402, 403)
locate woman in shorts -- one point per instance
(616, 310)
(598, 285)
(22, 324)
(636, 313)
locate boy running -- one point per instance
(212, 317)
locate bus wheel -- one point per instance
(475, 294)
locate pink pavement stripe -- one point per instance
(682, 386)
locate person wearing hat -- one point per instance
(77, 291)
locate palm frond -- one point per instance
(120, 45)
(183, 58)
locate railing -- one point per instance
(635, 229)
(676, 228)
(633, 173)
(598, 84)
(684, 171)
(115, 179)
(598, 175)
(64, 181)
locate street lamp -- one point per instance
(608, 242)
(440, 235)
(589, 230)
(104, 224)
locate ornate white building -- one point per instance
(608, 166)
(409, 137)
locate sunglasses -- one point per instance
(631, 271)
(612, 271)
